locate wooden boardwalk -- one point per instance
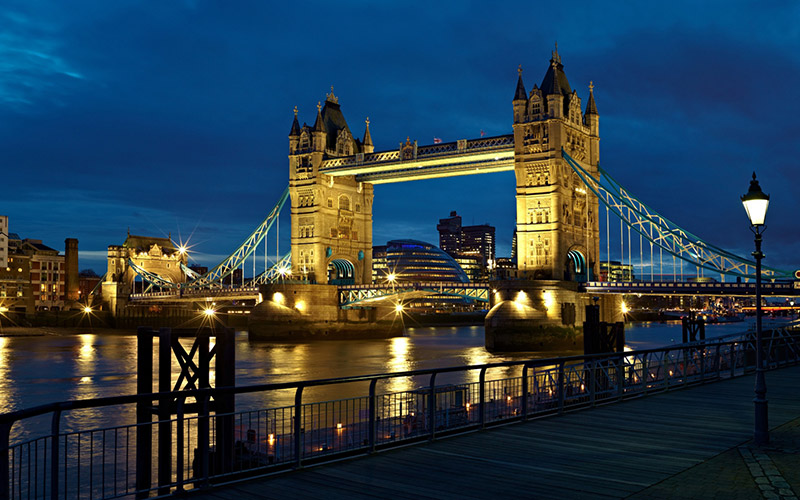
(612, 451)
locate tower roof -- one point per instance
(520, 94)
(295, 131)
(591, 107)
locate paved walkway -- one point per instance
(683, 444)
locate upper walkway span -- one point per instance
(463, 157)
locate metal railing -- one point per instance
(102, 462)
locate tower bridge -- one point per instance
(562, 196)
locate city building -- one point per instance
(478, 240)
(472, 265)
(616, 271)
(450, 233)
(3, 241)
(463, 242)
(379, 268)
(504, 269)
(87, 281)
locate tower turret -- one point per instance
(294, 134)
(368, 146)
(520, 99)
(590, 118)
(319, 133)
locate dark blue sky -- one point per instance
(173, 116)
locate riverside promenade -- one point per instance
(692, 443)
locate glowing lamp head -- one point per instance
(625, 308)
(3, 309)
(278, 298)
(181, 249)
(391, 278)
(398, 308)
(87, 310)
(208, 312)
(755, 203)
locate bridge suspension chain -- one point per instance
(237, 259)
(663, 233)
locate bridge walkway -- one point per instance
(685, 443)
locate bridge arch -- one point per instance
(341, 272)
(576, 266)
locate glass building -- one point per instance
(415, 261)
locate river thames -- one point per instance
(44, 369)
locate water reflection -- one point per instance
(38, 370)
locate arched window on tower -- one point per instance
(344, 202)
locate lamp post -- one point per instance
(755, 204)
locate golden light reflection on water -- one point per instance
(6, 391)
(399, 362)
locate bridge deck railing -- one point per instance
(69, 461)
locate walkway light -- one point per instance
(87, 310)
(755, 204)
(398, 308)
(208, 312)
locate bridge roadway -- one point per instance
(357, 295)
(684, 443)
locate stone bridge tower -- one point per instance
(557, 217)
(331, 217)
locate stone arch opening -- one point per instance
(576, 270)
(341, 272)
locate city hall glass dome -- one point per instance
(416, 261)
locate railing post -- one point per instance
(5, 449)
(164, 410)
(685, 366)
(144, 415)
(179, 450)
(432, 407)
(561, 388)
(203, 437)
(733, 360)
(372, 415)
(703, 364)
(718, 363)
(593, 382)
(524, 392)
(298, 420)
(620, 376)
(482, 396)
(645, 373)
(55, 430)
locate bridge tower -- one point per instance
(331, 217)
(557, 217)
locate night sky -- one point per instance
(172, 116)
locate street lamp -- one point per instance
(755, 204)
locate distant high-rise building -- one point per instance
(472, 241)
(3, 241)
(478, 240)
(514, 246)
(450, 233)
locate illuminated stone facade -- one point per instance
(557, 224)
(331, 217)
(156, 255)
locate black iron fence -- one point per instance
(212, 448)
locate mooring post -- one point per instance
(144, 417)
(164, 410)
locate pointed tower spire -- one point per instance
(367, 136)
(520, 93)
(319, 125)
(295, 131)
(591, 107)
